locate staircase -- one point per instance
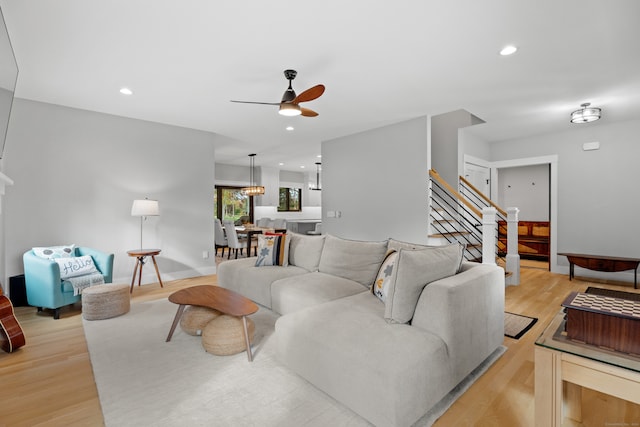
(467, 216)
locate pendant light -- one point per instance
(252, 189)
(585, 114)
(317, 187)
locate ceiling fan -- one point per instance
(290, 104)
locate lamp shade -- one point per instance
(145, 207)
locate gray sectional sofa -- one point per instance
(337, 334)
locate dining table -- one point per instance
(251, 231)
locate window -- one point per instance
(290, 199)
(231, 203)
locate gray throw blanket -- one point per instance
(81, 282)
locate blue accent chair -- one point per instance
(45, 289)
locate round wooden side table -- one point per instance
(141, 254)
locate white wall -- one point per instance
(378, 180)
(598, 201)
(526, 188)
(77, 172)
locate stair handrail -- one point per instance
(485, 198)
(435, 175)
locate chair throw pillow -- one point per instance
(52, 252)
(76, 266)
(415, 270)
(380, 287)
(273, 250)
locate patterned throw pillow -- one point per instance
(273, 250)
(66, 251)
(380, 287)
(77, 266)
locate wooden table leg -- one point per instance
(548, 388)
(133, 279)
(175, 321)
(246, 338)
(141, 262)
(153, 258)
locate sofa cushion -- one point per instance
(355, 260)
(242, 276)
(305, 251)
(390, 374)
(414, 270)
(273, 249)
(381, 285)
(298, 292)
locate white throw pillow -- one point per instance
(52, 252)
(413, 271)
(76, 266)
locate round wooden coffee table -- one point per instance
(217, 298)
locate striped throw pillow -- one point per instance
(273, 250)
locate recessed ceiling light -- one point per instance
(508, 50)
(319, 156)
(281, 164)
(302, 167)
(126, 91)
(289, 128)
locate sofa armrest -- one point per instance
(102, 260)
(467, 311)
(43, 283)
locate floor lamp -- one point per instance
(143, 209)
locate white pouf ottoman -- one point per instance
(105, 301)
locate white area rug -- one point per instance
(144, 381)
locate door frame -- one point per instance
(552, 161)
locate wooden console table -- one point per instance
(603, 263)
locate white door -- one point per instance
(479, 177)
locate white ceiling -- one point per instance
(381, 61)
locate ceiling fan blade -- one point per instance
(310, 94)
(307, 112)
(252, 102)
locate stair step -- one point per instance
(449, 233)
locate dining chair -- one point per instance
(280, 223)
(317, 230)
(220, 238)
(263, 222)
(233, 241)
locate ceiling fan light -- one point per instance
(586, 114)
(289, 110)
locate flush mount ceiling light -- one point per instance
(586, 114)
(252, 189)
(508, 50)
(126, 91)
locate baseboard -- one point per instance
(150, 277)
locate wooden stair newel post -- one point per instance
(513, 258)
(489, 236)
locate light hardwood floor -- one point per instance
(49, 381)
